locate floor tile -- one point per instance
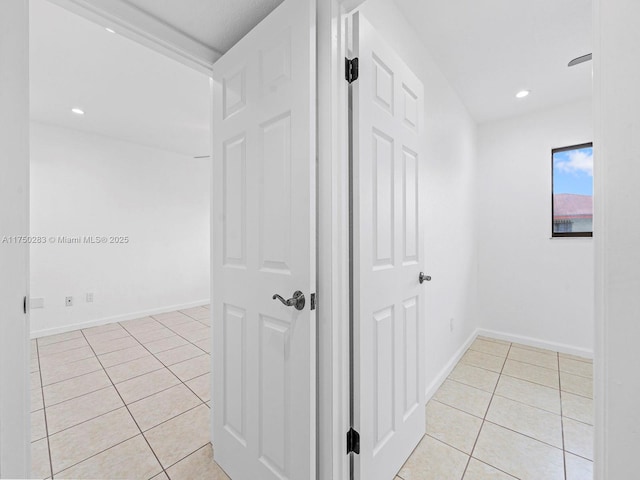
(134, 368)
(493, 348)
(175, 439)
(196, 312)
(34, 364)
(534, 358)
(475, 377)
(199, 464)
(80, 409)
(179, 354)
(103, 337)
(518, 455)
(161, 476)
(204, 345)
(530, 421)
(130, 459)
(75, 387)
(37, 402)
(114, 345)
(60, 337)
(123, 356)
(537, 349)
(76, 444)
(483, 360)
(162, 406)
(58, 373)
(192, 368)
(97, 330)
(495, 340)
(576, 357)
(61, 358)
(576, 367)
(434, 460)
(145, 385)
(35, 380)
(539, 396)
(476, 470)
(189, 326)
(152, 335)
(578, 468)
(463, 397)
(201, 386)
(198, 334)
(451, 426)
(38, 428)
(40, 465)
(531, 373)
(63, 346)
(576, 384)
(577, 407)
(165, 344)
(578, 438)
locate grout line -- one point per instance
(475, 443)
(564, 451)
(44, 411)
(131, 415)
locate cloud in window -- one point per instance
(576, 161)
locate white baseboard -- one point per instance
(444, 373)
(536, 342)
(116, 318)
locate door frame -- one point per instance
(332, 199)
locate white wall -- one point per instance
(448, 197)
(617, 199)
(529, 285)
(87, 184)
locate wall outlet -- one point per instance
(90, 297)
(451, 324)
(68, 301)
(36, 303)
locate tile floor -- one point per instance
(131, 400)
(125, 400)
(509, 411)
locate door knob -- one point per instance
(424, 278)
(296, 301)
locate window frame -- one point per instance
(567, 234)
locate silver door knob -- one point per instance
(424, 278)
(296, 301)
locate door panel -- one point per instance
(263, 243)
(389, 323)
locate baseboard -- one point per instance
(116, 318)
(448, 368)
(536, 342)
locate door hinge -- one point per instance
(24, 305)
(351, 69)
(353, 441)
(313, 301)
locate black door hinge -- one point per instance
(313, 301)
(24, 305)
(353, 441)
(351, 69)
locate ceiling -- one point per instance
(488, 50)
(491, 49)
(127, 91)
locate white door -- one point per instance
(15, 435)
(388, 254)
(263, 236)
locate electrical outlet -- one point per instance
(451, 324)
(90, 297)
(68, 301)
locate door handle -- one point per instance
(424, 278)
(296, 301)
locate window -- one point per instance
(572, 199)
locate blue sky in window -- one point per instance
(573, 171)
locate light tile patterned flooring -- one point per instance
(124, 400)
(131, 400)
(509, 411)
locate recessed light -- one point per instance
(77, 111)
(522, 93)
(110, 30)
